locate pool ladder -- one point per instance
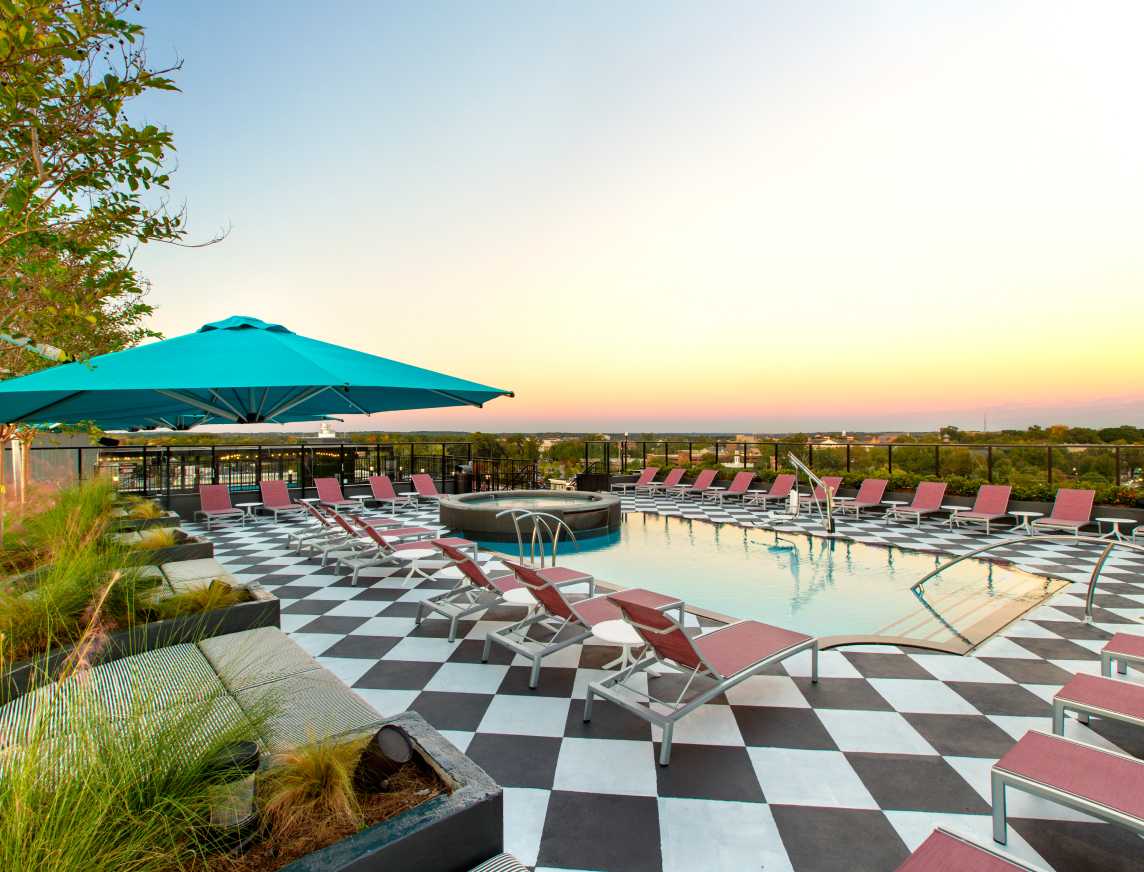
(541, 521)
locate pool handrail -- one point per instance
(539, 520)
(1090, 595)
(828, 515)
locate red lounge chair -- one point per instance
(573, 620)
(330, 495)
(1104, 697)
(991, 504)
(475, 591)
(702, 482)
(215, 505)
(377, 550)
(646, 478)
(1072, 509)
(382, 491)
(728, 655)
(276, 499)
(944, 851)
(869, 496)
(737, 490)
(315, 537)
(1125, 649)
(833, 482)
(927, 500)
(671, 480)
(424, 487)
(1101, 783)
(779, 491)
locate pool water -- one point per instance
(818, 586)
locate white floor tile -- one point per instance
(524, 813)
(468, 678)
(526, 715)
(791, 776)
(700, 834)
(768, 690)
(874, 732)
(919, 695)
(606, 766)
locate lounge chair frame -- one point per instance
(1083, 710)
(640, 703)
(515, 636)
(672, 480)
(463, 599)
(1002, 779)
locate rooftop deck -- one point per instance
(779, 774)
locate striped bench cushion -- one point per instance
(306, 708)
(252, 657)
(501, 863)
(195, 573)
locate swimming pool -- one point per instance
(830, 588)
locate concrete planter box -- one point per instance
(262, 611)
(127, 525)
(451, 833)
(193, 548)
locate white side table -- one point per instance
(620, 633)
(953, 512)
(1024, 520)
(1114, 523)
(362, 500)
(892, 511)
(251, 509)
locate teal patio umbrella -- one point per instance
(239, 370)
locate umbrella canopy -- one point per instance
(238, 370)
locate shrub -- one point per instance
(202, 598)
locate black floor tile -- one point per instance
(912, 782)
(379, 594)
(289, 591)
(1029, 671)
(364, 647)
(341, 624)
(878, 665)
(1082, 847)
(1001, 699)
(599, 831)
(399, 610)
(842, 693)
(398, 675)
(439, 629)
(838, 839)
(961, 735)
(516, 761)
(774, 727)
(608, 722)
(708, 772)
(470, 650)
(452, 711)
(310, 607)
(554, 681)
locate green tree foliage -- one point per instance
(81, 184)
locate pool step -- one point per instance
(968, 615)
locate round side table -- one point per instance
(620, 633)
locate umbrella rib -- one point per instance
(190, 400)
(44, 408)
(286, 406)
(457, 398)
(223, 401)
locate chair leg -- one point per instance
(453, 628)
(488, 648)
(1058, 718)
(588, 697)
(420, 615)
(999, 818)
(814, 664)
(534, 676)
(665, 748)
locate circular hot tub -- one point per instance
(475, 515)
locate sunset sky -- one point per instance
(676, 216)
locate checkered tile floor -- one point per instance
(779, 774)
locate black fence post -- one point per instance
(890, 460)
(847, 456)
(1049, 463)
(144, 470)
(937, 461)
(167, 475)
(78, 464)
(810, 454)
(444, 463)
(643, 448)
(776, 457)
(214, 466)
(257, 465)
(1117, 474)
(586, 443)
(989, 463)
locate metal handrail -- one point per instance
(536, 540)
(828, 516)
(1090, 595)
